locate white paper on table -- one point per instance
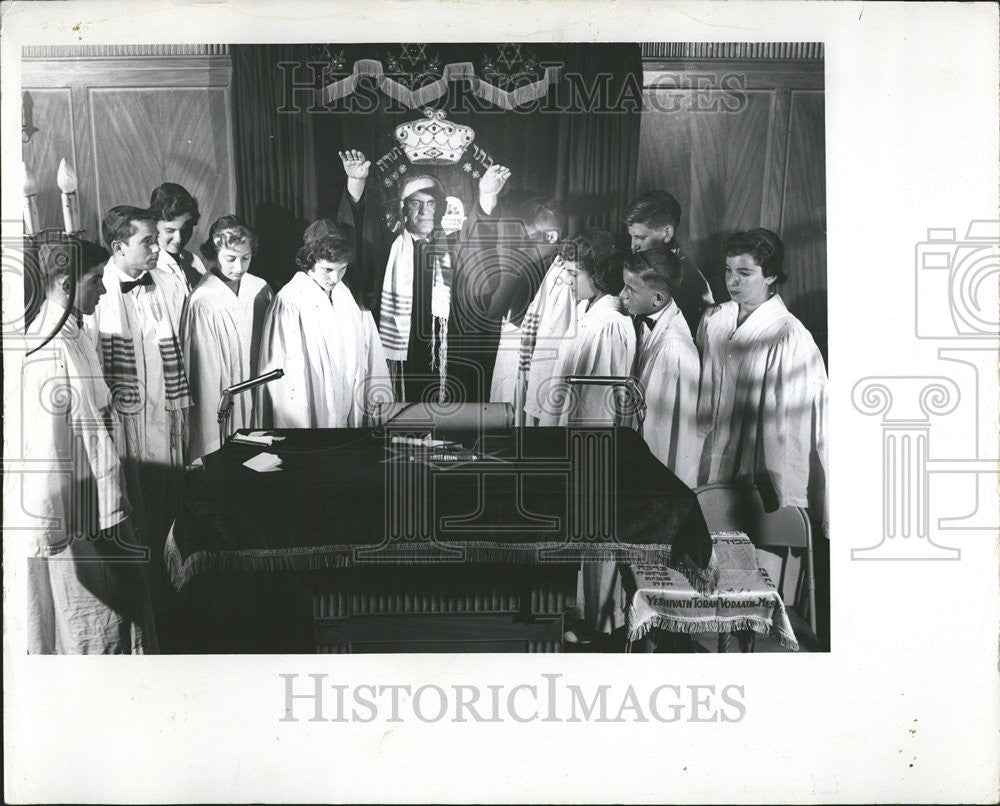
(258, 438)
(264, 462)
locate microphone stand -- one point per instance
(629, 384)
(226, 402)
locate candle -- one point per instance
(66, 179)
(31, 225)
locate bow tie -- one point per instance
(648, 321)
(145, 279)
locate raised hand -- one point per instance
(355, 164)
(494, 179)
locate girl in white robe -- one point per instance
(334, 363)
(762, 400)
(602, 342)
(87, 593)
(220, 333)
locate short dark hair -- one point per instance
(170, 201)
(763, 246)
(73, 256)
(544, 213)
(659, 268)
(334, 248)
(119, 223)
(656, 209)
(593, 250)
(323, 227)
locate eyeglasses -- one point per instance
(415, 205)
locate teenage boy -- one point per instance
(652, 220)
(667, 364)
(137, 323)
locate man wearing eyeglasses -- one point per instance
(410, 291)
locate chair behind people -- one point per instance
(754, 511)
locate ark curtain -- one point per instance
(579, 144)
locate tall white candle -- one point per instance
(66, 179)
(31, 225)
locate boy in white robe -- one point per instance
(87, 593)
(667, 365)
(220, 333)
(334, 363)
(652, 221)
(177, 215)
(603, 342)
(762, 399)
(137, 323)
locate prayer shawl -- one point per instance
(762, 404)
(667, 368)
(551, 318)
(603, 344)
(78, 601)
(220, 338)
(187, 268)
(397, 298)
(122, 326)
(144, 369)
(334, 363)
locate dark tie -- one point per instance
(145, 279)
(648, 321)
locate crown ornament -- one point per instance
(434, 141)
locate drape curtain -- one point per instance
(579, 147)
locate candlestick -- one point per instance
(66, 179)
(31, 225)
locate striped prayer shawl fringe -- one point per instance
(174, 378)
(122, 377)
(529, 335)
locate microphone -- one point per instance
(267, 377)
(226, 401)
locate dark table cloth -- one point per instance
(348, 497)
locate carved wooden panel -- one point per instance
(51, 113)
(711, 152)
(803, 214)
(741, 145)
(145, 136)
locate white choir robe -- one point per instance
(548, 322)
(503, 386)
(668, 368)
(762, 404)
(155, 423)
(603, 343)
(334, 362)
(166, 262)
(86, 594)
(220, 339)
